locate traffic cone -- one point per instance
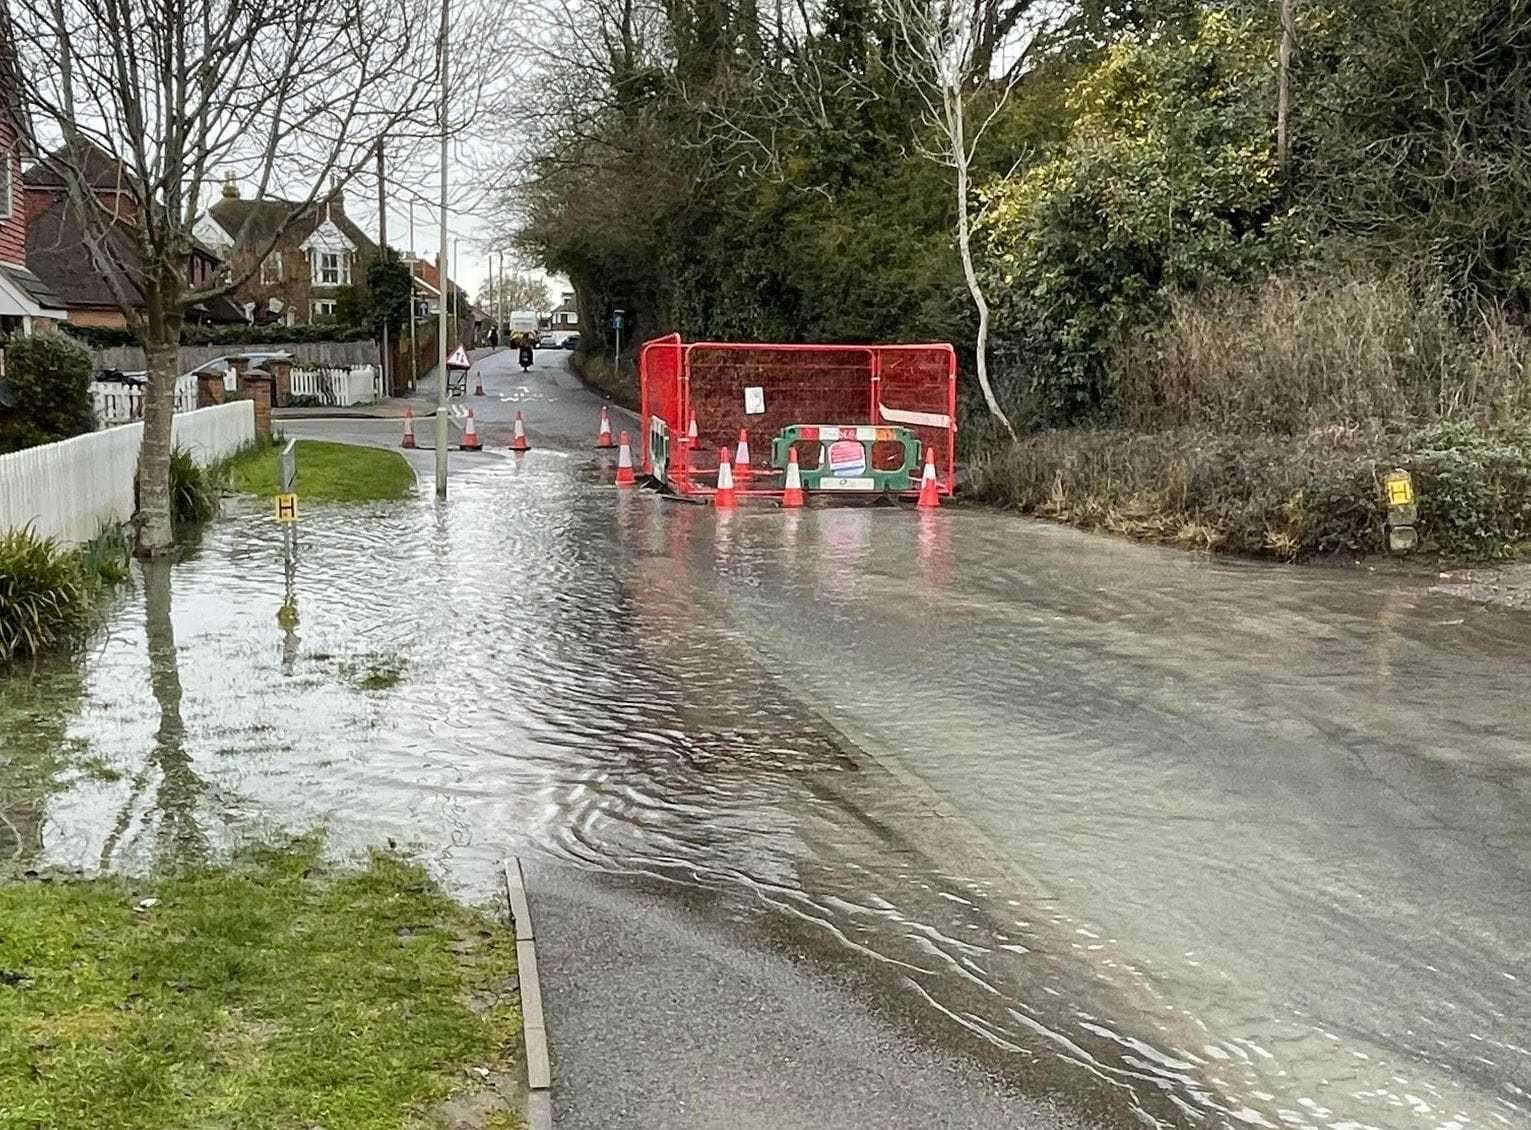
(470, 440)
(793, 494)
(478, 389)
(742, 455)
(625, 463)
(518, 440)
(724, 497)
(409, 428)
(604, 440)
(930, 498)
(691, 440)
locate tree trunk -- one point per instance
(161, 342)
(1283, 90)
(958, 133)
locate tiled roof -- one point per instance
(268, 216)
(59, 255)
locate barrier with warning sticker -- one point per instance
(881, 398)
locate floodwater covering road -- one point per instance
(1113, 835)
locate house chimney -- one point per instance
(230, 187)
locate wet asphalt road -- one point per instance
(924, 814)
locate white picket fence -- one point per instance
(121, 402)
(338, 387)
(69, 490)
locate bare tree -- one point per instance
(290, 95)
(955, 56)
(522, 292)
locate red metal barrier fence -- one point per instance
(765, 388)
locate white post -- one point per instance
(414, 352)
(441, 324)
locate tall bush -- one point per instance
(49, 379)
(1167, 181)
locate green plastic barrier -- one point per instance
(840, 466)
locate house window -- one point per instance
(271, 269)
(5, 189)
(322, 310)
(334, 269)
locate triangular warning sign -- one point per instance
(459, 359)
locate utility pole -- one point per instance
(382, 250)
(1283, 89)
(414, 350)
(441, 325)
(499, 297)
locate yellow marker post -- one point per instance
(286, 508)
(1400, 488)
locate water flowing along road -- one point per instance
(858, 817)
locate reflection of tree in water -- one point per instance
(178, 837)
(38, 699)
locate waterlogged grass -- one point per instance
(327, 472)
(273, 993)
(374, 672)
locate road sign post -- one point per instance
(616, 353)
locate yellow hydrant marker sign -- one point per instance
(1400, 489)
(286, 508)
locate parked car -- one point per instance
(571, 341)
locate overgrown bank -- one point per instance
(1262, 423)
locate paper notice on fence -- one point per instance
(754, 401)
(914, 419)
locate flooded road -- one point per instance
(1163, 840)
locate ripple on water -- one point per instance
(627, 686)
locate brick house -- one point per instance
(59, 250)
(26, 303)
(565, 316)
(319, 254)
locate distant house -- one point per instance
(26, 303)
(298, 282)
(59, 252)
(427, 286)
(565, 316)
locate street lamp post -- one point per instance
(441, 324)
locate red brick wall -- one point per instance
(13, 229)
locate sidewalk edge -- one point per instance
(539, 1074)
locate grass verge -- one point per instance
(596, 371)
(272, 993)
(327, 472)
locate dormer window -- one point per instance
(271, 269)
(334, 269)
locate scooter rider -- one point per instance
(526, 354)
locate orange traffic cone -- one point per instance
(470, 440)
(517, 440)
(691, 432)
(725, 493)
(478, 389)
(930, 498)
(625, 463)
(604, 440)
(742, 455)
(409, 428)
(793, 494)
